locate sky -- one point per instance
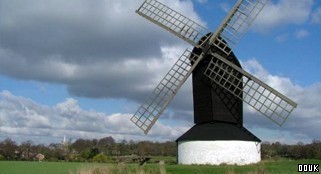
(81, 68)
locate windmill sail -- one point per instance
(256, 93)
(148, 112)
(251, 90)
(236, 24)
(173, 21)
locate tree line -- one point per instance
(81, 150)
(297, 151)
(107, 150)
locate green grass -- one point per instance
(274, 167)
(28, 167)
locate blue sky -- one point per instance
(81, 69)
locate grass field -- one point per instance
(273, 167)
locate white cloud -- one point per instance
(117, 55)
(300, 34)
(316, 16)
(225, 7)
(23, 118)
(282, 13)
(304, 122)
(281, 38)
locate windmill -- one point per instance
(220, 86)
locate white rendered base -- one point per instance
(219, 152)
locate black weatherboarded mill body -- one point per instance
(220, 86)
(218, 114)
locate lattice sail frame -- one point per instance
(173, 21)
(148, 113)
(226, 37)
(236, 24)
(256, 93)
